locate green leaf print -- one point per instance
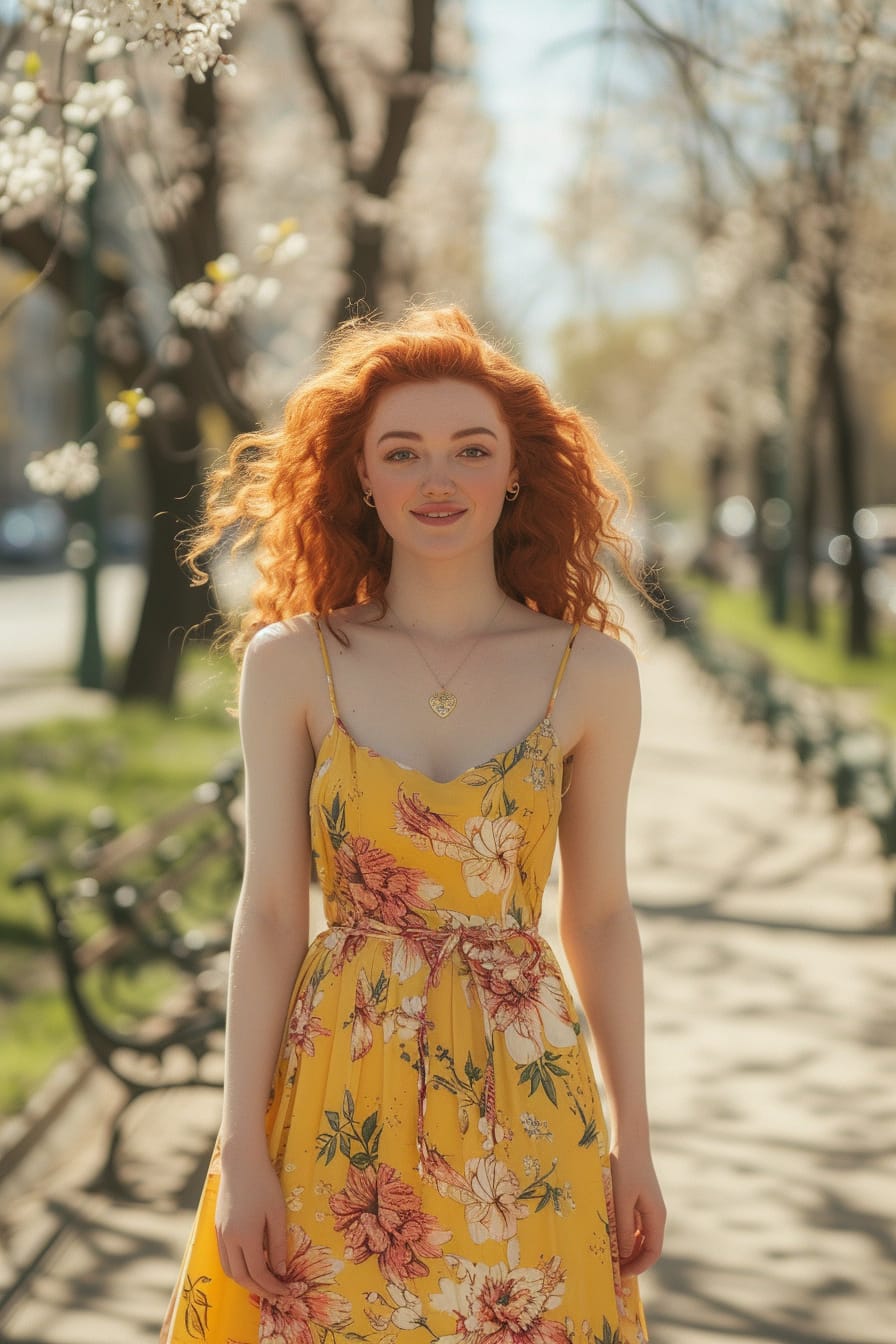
(327, 1147)
(472, 1072)
(361, 1147)
(550, 1062)
(369, 1126)
(334, 816)
(610, 1334)
(589, 1135)
(538, 1074)
(492, 774)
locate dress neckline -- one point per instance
(544, 727)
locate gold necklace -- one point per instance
(443, 702)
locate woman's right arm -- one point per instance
(270, 939)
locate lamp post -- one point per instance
(85, 544)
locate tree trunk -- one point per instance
(173, 611)
(845, 444)
(171, 608)
(809, 510)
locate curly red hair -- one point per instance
(295, 489)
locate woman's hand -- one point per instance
(640, 1211)
(250, 1223)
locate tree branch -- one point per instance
(294, 11)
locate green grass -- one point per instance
(741, 616)
(137, 760)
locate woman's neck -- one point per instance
(445, 600)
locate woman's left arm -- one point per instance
(598, 928)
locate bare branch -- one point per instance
(404, 102)
(308, 34)
(654, 35)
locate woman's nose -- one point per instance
(437, 481)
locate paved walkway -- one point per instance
(771, 1000)
(40, 635)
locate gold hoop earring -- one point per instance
(513, 491)
(368, 499)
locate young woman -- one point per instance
(433, 687)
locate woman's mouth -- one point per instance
(443, 517)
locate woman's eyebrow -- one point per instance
(417, 438)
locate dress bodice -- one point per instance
(394, 845)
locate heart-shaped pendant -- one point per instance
(442, 703)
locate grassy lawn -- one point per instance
(137, 760)
(741, 616)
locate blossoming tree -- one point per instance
(219, 204)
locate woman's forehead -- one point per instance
(446, 403)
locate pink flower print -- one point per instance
(492, 1207)
(425, 827)
(494, 851)
(443, 1176)
(488, 851)
(303, 1026)
(523, 998)
(366, 1016)
(494, 1304)
(381, 1215)
(310, 1300)
(380, 887)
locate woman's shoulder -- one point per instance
(281, 658)
(604, 674)
(283, 638)
(294, 643)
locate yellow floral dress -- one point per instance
(434, 1117)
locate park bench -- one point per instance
(123, 906)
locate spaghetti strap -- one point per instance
(327, 668)
(562, 668)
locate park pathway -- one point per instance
(770, 1001)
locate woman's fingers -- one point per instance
(647, 1241)
(243, 1261)
(222, 1254)
(275, 1238)
(625, 1229)
(262, 1279)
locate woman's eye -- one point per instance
(474, 448)
(399, 455)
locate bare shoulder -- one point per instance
(281, 664)
(604, 680)
(600, 652)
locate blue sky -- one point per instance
(537, 101)
(538, 97)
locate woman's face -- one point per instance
(437, 458)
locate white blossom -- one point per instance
(36, 167)
(279, 243)
(191, 32)
(91, 102)
(212, 302)
(129, 409)
(71, 471)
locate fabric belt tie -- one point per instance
(438, 944)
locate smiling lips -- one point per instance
(438, 517)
